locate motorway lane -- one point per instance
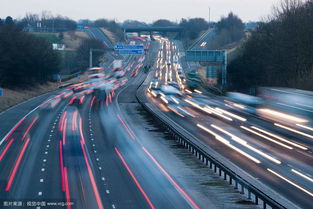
(98, 34)
(68, 156)
(297, 159)
(159, 190)
(37, 167)
(205, 40)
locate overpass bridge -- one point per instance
(163, 30)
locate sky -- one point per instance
(142, 10)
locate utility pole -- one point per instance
(209, 16)
(53, 25)
(90, 58)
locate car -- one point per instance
(50, 103)
(174, 84)
(170, 90)
(77, 100)
(154, 84)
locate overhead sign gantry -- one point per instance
(215, 61)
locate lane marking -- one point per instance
(134, 179)
(290, 182)
(171, 179)
(126, 128)
(91, 177)
(19, 159)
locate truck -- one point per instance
(117, 64)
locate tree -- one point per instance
(229, 29)
(279, 52)
(163, 23)
(101, 23)
(24, 58)
(9, 20)
(48, 22)
(83, 53)
(134, 23)
(111, 25)
(193, 27)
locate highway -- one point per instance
(73, 149)
(76, 148)
(96, 33)
(202, 42)
(274, 146)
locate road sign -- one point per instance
(212, 71)
(119, 45)
(1, 92)
(210, 58)
(131, 51)
(128, 47)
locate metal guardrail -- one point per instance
(183, 138)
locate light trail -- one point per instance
(171, 179)
(92, 101)
(61, 166)
(290, 182)
(265, 137)
(305, 127)
(227, 143)
(92, 179)
(302, 175)
(185, 111)
(16, 166)
(6, 149)
(29, 127)
(294, 130)
(126, 127)
(197, 91)
(134, 179)
(231, 114)
(280, 138)
(12, 130)
(74, 121)
(164, 99)
(217, 113)
(67, 189)
(282, 115)
(64, 132)
(175, 111)
(244, 143)
(61, 124)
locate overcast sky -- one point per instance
(143, 10)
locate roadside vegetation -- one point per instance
(24, 58)
(192, 28)
(27, 59)
(279, 52)
(229, 31)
